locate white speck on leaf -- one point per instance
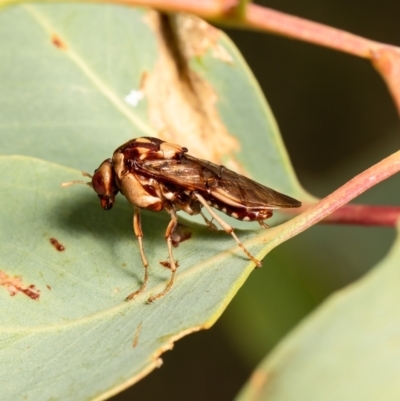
(134, 97)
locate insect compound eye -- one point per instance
(103, 183)
(98, 183)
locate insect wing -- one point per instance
(249, 193)
(204, 176)
(184, 173)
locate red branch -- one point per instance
(333, 202)
(385, 58)
(265, 19)
(362, 215)
(208, 9)
(366, 215)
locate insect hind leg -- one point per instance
(168, 235)
(227, 228)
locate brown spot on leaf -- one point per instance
(181, 103)
(57, 42)
(57, 245)
(15, 285)
(48, 287)
(167, 264)
(136, 338)
(143, 80)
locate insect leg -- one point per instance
(168, 236)
(228, 229)
(137, 228)
(208, 222)
(262, 224)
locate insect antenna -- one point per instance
(85, 174)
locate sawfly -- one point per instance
(156, 175)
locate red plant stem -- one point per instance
(357, 185)
(385, 58)
(367, 215)
(209, 9)
(357, 214)
(387, 63)
(266, 19)
(353, 188)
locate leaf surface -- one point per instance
(346, 350)
(72, 339)
(66, 70)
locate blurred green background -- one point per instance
(336, 118)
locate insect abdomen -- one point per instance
(244, 214)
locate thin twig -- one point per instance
(367, 215)
(359, 184)
(358, 214)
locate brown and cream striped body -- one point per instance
(156, 175)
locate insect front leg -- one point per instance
(137, 228)
(228, 229)
(168, 236)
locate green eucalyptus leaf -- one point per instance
(80, 338)
(347, 350)
(66, 70)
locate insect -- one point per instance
(156, 175)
